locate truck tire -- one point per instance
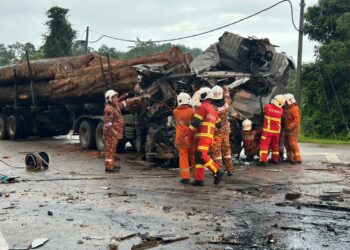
(99, 137)
(3, 127)
(14, 127)
(87, 134)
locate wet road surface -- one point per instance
(77, 206)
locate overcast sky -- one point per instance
(24, 21)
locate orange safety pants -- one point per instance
(220, 150)
(110, 149)
(292, 148)
(186, 156)
(203, 159)
(266, 140)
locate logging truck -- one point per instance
(54, 96)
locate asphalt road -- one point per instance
(77, 206)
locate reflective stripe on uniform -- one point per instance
(263, 152)
(227, 156)
(298, 154)
(210, 124)
(218, 158)
(109, 160)
(272, 118)
(203, 148)
(276, 153)
(263, 137)
(199, 166)
(210, 164)
(204, 135)
(192, 128)
(198, 116)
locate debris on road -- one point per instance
(49, 213)
(123, 194)
(38, 242)
(224, 240)
(271, 239)
(113, 243)
(146, 244)
(291, 228)
(292, 196)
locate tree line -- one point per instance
(60, 40)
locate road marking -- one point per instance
(333, 158)
(3, 244)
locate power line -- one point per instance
(208, 31)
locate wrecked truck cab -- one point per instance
(256, 71)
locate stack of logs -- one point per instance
(78, 79)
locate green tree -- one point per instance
(326, 92)
(14, 53)
(60, 36)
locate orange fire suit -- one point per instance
(113, 127)
(184, 144)
(292, 130)
(204, 123)
(221, 149)
(251, 141)
(271, 132)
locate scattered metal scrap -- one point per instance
(123, 194)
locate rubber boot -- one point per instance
(185, 181)
(198, 183)
(218, 177)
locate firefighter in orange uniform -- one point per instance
(204, 123)
(113, 126)
(271, 129)
(251, 139)
(220, 149)
(292, 130)
(183, 116)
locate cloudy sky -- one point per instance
(24, 21)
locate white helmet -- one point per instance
(290, 98)
(205, 93)
(218, 92)
(139, 78)
(109, 94)
(183, 99)
(279, 101)
(247, 124)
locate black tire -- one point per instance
(87, 134)
(3, 127)
(15, 127)
(99, 137)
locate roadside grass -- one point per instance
(303, 138)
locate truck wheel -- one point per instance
(3, 127)
(87, 134)
(99, 137)
(14, 127)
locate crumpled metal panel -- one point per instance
(230, 43)
(246, 105)
(208, 59)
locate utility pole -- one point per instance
(300, 53)
(87, 40)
